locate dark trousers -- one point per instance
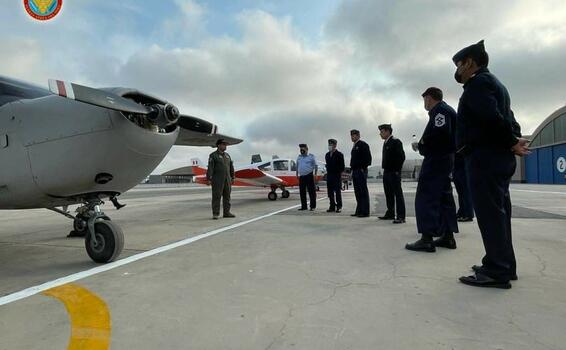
(306, 183)
(465, 204)
(435, 208)
(334, 189)
(490, 173)
(221, 190)
(360, 181)
(393, 194)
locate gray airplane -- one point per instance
(74, 144)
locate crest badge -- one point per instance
(43, 10)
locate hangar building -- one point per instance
(547, 163)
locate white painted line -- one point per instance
(533, 191)
(28, 292)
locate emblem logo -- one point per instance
(43, 10)
(561, 164)
(439, 120)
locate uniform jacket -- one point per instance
(439, 135)
(220, 168)
(335, 163)
(360, 156)
(485, 118)
(393, 155)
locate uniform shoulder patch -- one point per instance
(439, 120)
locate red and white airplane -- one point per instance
(275, 174)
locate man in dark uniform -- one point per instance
(465, 211)
(220, 174)
(334, 169)
(489, 137)
(359, 162)
(434, 204)
(392, 160)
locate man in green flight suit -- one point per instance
(220, 175)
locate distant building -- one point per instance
(411, 169)
(547, 162)
(175, 176)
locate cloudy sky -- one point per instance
(277, 73)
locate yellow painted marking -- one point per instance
(90, 317)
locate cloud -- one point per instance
(411, 43)
(268, 68)
(274, 87)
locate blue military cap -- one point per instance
(385, 127)
(476, 52)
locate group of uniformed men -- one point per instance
(475, 147)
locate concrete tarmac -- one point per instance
(293, 280)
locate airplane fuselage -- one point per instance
(54, 151)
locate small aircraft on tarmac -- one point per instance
(275, 174)
(74, 144)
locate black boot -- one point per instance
(424, 244)
(446, 241)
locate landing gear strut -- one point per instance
(104, 240)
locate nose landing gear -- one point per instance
(104, 240)
(272, 196)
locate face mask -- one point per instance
(458, 77)
(303, 151)
(330, 148)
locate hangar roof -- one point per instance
(551, 131)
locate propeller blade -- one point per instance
(96, 97)
(193, 138)
(198, 132)
(188, 122)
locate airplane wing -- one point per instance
(256, 177)
(198, 132)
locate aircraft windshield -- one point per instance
(13, 90)
(281, 165)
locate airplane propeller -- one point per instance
(195, 129)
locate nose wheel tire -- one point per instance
(272, 196)
(285, 194)
(108, 244)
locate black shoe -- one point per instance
(363, 215)
(386, 217)
(338, 210)
(481, 280)
(312, 209)
(229, 215)
(465, 219)
(355, 214)
(331, 210)
(444, 242)
(421, 246)
(301, 209)
(477, 268)
(399, 221)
